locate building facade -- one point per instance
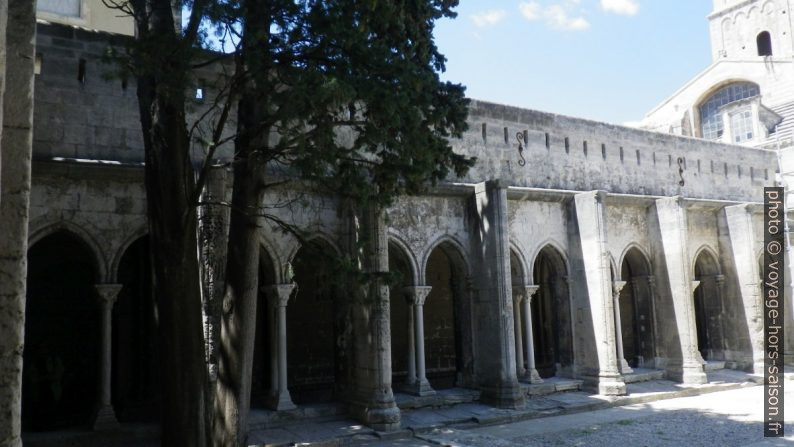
(592, 251)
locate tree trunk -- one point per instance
(238, 320)
(172, 234)
(15, 151)
(238, 317)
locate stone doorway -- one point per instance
(62, 333)
(551, 315)
(135, 390)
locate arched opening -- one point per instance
(708, 306)
(401, 339)
(314, 326)
(62, 333)
(134, 372)
(764, 43)
(262, 369)
(445, 273)
(551, 322)
(636, 311)
(712, 125)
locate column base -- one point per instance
(281, 401)
(105, 418)
(624, 367)
(419, 388)
(503, 395)
(694, 375)
(531, 376)
(688, 374)
(607, 384)
(383, 418)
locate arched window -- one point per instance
(711, 124)
(764, 42)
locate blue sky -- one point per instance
(607, 60)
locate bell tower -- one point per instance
(750, 29)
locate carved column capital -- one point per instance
(518, 295)
(617, 286)
(651, 280)
(278, 294)
(417, 294)
(720, 280)
(532, 290)
(108, 293)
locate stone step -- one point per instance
(552, 385)
(714, 365)
(643, 375)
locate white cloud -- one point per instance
(557, 15)
(530, 10)
(622, 7)
(488, 18)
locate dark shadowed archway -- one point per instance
(446, 357)
(551, 325)
(263, 373)
(134, 372)
(62, 333)
(636, 310)
(400, 312)
(315, 326)
(709, 307)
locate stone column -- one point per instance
(494, 337)
(698, 355)
(591, 223)
(369, 388)
(719, 282)
(418, 294)
(531, 373)
(106, 417)
(19, 40)
(277, 297)
(742, 242)
(617, 286)
(410, 381)
(652, 323)
(518, 298)
(671, 214)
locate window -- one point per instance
(742, 125)
(711, 124)
(764, 42)
(68, 8)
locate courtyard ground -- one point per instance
(726, 418)
(724, 412)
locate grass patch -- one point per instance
(626, 422)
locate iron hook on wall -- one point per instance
(681, 171)
(521, 142)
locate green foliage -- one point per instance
(353, 93)
(352, 87)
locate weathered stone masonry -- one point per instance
(592, 259)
